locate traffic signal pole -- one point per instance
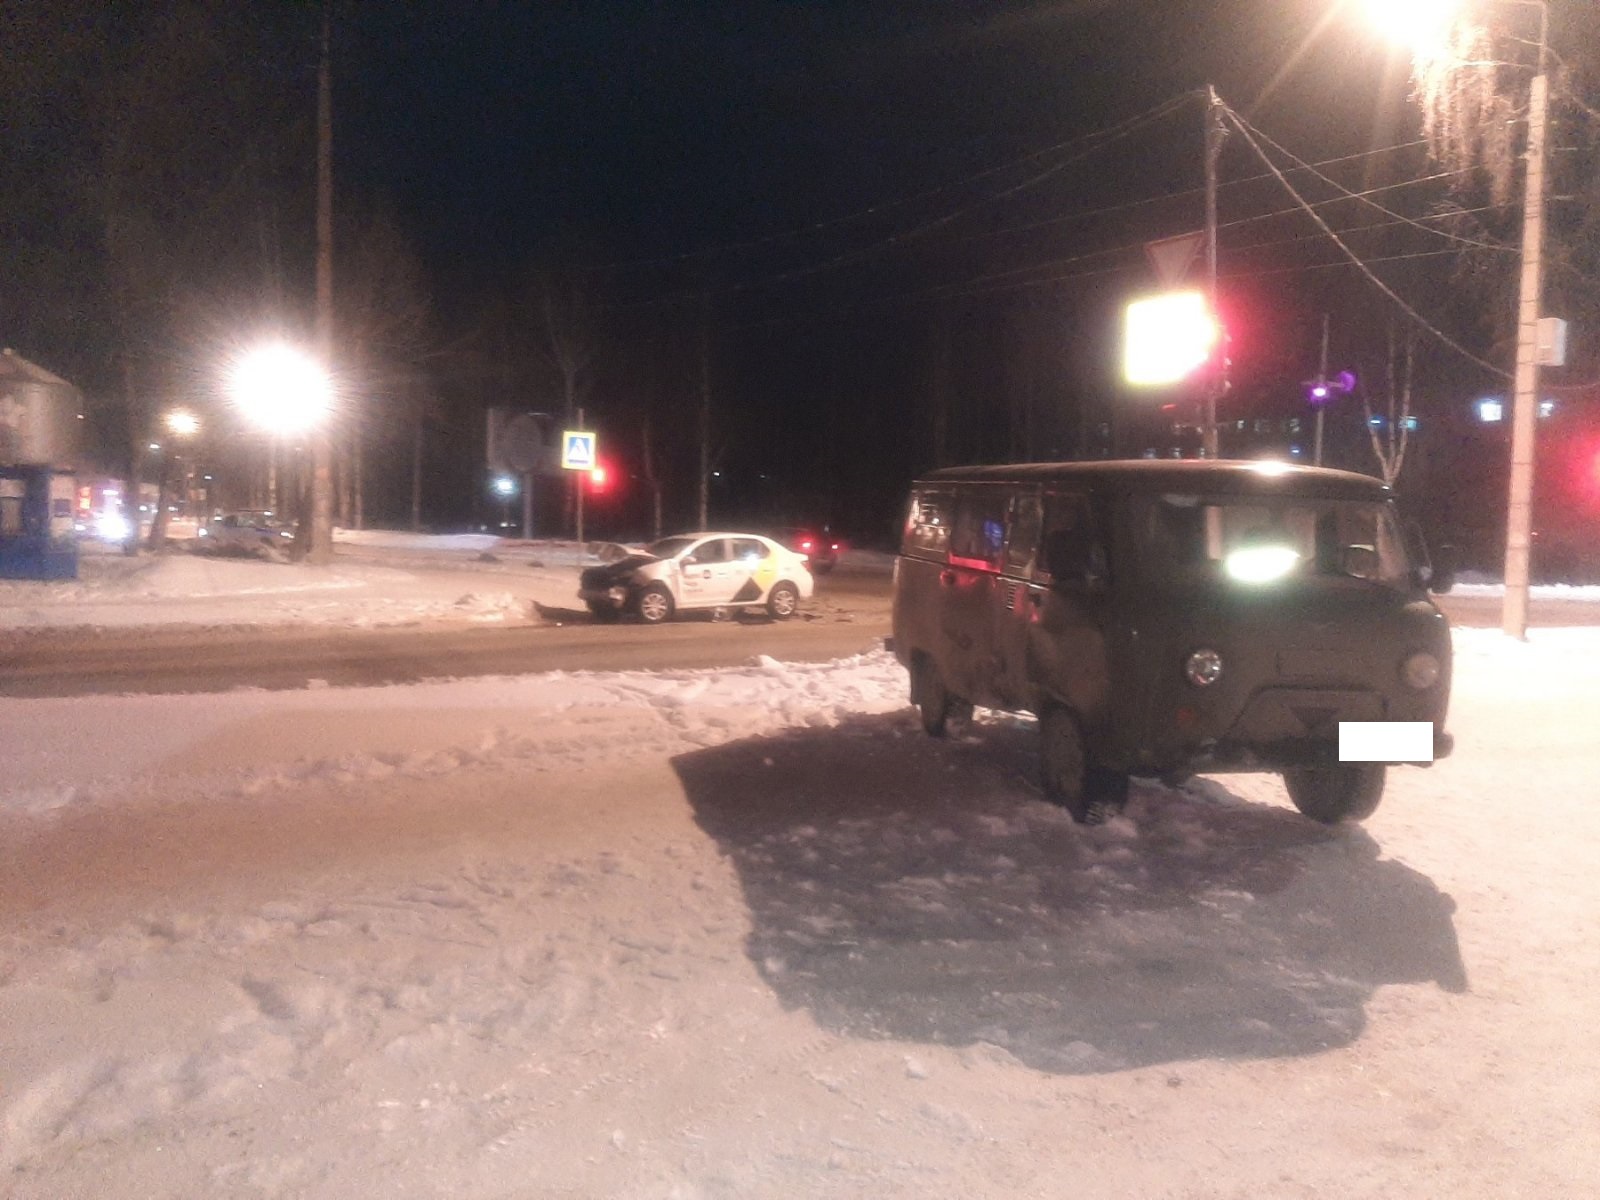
(1525, 406)
(1217, 381)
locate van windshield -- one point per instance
(1262, 540)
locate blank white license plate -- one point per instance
(1386, 741)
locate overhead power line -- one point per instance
(1245, 131)
(1364, 197)
(1075, 150)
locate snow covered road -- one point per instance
(749, 933)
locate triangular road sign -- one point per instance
(1172, 257)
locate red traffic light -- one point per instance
(599, 477)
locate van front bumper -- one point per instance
(1279, 727)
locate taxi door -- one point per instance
(710, 576)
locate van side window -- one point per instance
(1070, 547)
(928, 523)
(1024, 537)
(979, 531)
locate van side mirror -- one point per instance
(1442, 575)
(1361, 562)
(1435, 572)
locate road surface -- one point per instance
(850, 615)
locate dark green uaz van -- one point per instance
(1163, 618)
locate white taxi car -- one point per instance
(699, 571)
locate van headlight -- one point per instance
(1420, 671)
(1203, 668)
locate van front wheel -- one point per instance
(941, 712)
(1331, 794)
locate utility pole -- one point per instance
(1217, 383)
(1525, 407)
(577, 479)
(1322, 388)
(320, 547)
(705, 410)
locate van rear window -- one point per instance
(928, 523)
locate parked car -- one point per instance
(820, 547)
(1162, 618)
(717, 571)
(246, 532)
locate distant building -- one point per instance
(39, 416)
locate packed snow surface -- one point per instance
(749, 932)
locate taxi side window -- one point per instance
(748, 550)
(1070, 547)
(979, 531)
(714, 551)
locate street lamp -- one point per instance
(280, 389)
(286, 392)
(184, 426)
(1423, 36)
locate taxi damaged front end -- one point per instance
(615, 584)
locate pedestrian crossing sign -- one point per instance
(577, 450)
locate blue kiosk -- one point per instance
(36, 535)
(39, 414)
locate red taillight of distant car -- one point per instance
(805, 545)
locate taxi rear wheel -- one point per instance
(782, 601)
(1338, 792)
(654, 604)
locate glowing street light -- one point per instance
(1420, 26)
(280, 389)
(181, 423)
(1168, 338)
(1525, 403)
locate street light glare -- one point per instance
(281, 389)
(1420, 26)
(182, 423)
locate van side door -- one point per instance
(969, 590)
(1018, 598)
(1066, 648)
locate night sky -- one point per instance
(856, 204)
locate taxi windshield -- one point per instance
(1263, 540)
(672, 546)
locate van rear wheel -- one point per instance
(1338, 792)
(1063, 768)
(941, 712)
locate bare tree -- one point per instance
(1390, 445)
(566, 320)
(384, 320)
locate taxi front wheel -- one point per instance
(1335, 793)
(655, 604)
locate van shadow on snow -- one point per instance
(901, 887)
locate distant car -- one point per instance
(699, 571)
(247, 532)
(819, 546)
